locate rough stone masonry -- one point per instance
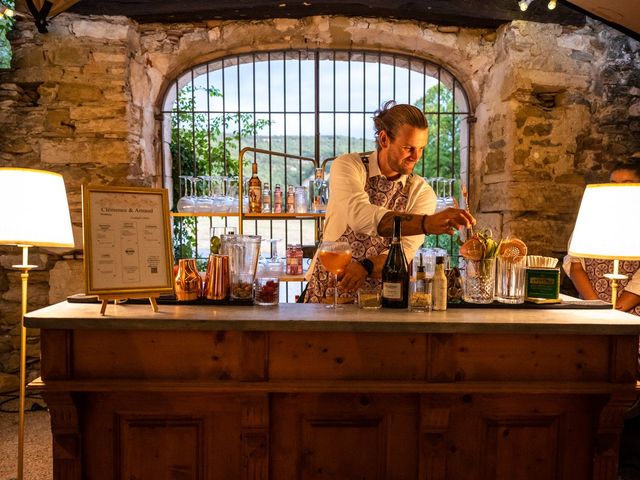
(554, 106)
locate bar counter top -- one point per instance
(318, 318)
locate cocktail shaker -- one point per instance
(188, 283)
(216, 281)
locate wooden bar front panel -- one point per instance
(313, 405)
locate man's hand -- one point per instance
(353, 277)
(448, 221)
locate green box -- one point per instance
(542, 283)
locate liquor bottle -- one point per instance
(439, 286)
(266, 198)
(255, 190)
(291, 199)
(395, 275)
(277, 199)
(319, 192)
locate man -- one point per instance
(587, 273)
(367, 191)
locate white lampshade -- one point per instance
(34, 209)
(608, 224)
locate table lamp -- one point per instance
(607, 227)
(33, 212)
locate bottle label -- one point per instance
(392, 290)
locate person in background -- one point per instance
(368, 190)
(587, 273)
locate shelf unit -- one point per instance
(242, 216)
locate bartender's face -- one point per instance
(399, 156)
(624, 176)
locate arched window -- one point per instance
(311, 103)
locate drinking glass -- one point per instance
(204, 202)
(510, 279)
(479, 281)
(186, 203)
(334, 256)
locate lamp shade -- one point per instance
(34, 209)
(607, 225)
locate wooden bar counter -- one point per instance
(303, 392)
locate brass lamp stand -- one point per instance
(614, 277)
(25, 267)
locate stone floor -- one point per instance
(37, 439)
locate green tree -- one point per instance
(203, 144)
(6, 24)
(442, 155)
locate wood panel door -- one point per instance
(363, 437)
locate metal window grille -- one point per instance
(311, 103)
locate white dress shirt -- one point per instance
(349, 203)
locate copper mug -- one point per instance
(216, 281)
(188, 283)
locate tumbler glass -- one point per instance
(510, 277)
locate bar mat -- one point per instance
(162, 300)
(564, 304)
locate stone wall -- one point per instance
(554, 106)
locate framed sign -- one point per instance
(127, 242)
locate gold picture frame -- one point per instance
(127, 242)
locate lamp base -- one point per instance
(24, 276)
(614, 278)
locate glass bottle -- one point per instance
(291, 199)
(255, 190)
(266, 198)
(319, 191)
(395, 274)
(439, 286)
(277, 199)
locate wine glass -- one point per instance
(334, 256)
(186, 203)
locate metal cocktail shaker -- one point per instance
(216, 281)
(188, 283)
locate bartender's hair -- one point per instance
(632, 165)
(392, 116)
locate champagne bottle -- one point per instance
(255, 190)
(439, 286)
(395, 274)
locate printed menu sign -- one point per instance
(127, 240)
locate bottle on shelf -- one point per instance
(255, 190)
(277, 199)
(291, 199)
(319, 192)
(395, 274)
(439, 286)
(266, 198)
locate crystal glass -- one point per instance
(187, 201)
(334, 256)
(479, 280)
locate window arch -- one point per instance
(312, 103)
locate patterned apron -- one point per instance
(382, 192)
(596, 269)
